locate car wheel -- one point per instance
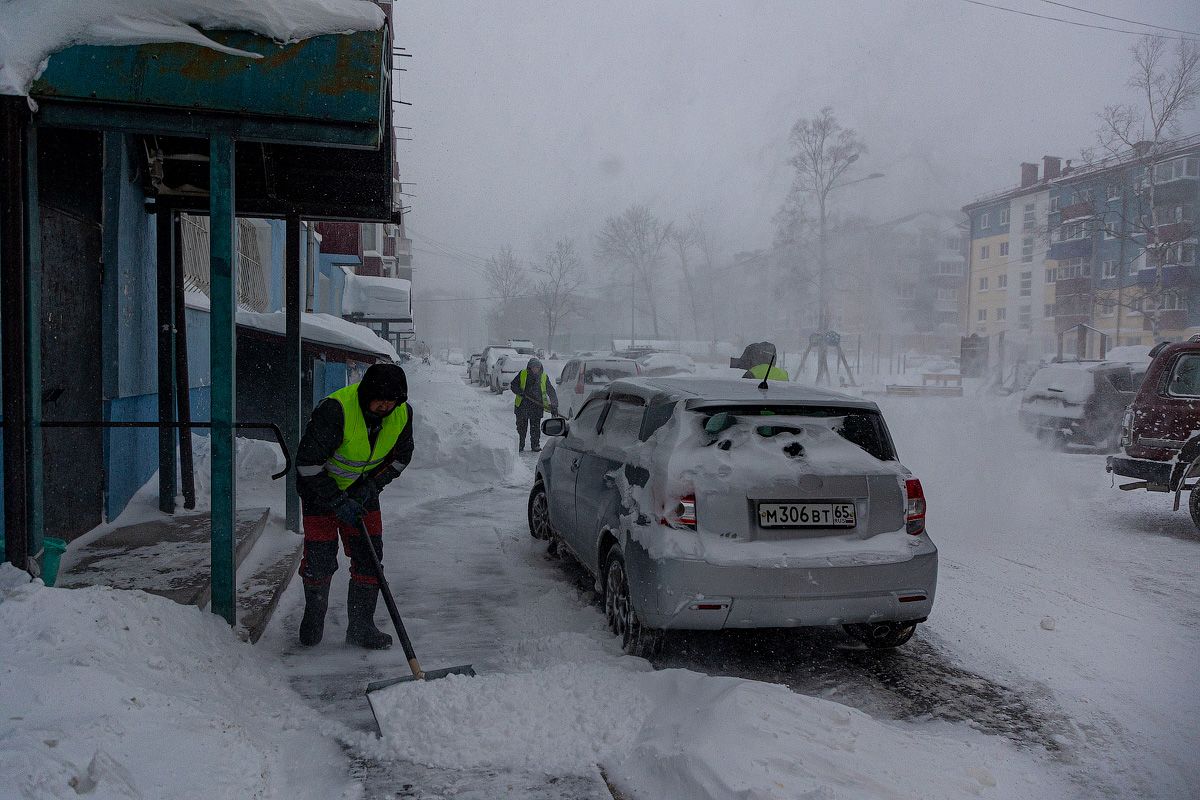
(539, 513)
(1194, 505)
(882, 635)
(636, 639)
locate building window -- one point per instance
(1003, 216)
(907, 292)
(1001, 314)
(1110, 230)
(1053, 204)
(1050, 275)
(1026, 284)
(947, 294)
(1107, 308)
(947, 268)
(1001, 281)
(1025, 316)
(954, 244)
(1176, 169)
(1113, 192)
(983, 284)
(984, 252)
(1027, 224)
(1003, 249)
(1072, 231)
(1049, 312)
(1180, 254)
(981, 315)
(1074, 268)
(985, 220)
(1108, 269)
(1027, 249)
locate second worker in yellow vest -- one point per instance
(534, 394)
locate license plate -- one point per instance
(806, 515)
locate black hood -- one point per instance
(754, 354)
(383, 382)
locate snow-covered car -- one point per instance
(454, 357)
(710, 504)
(507, 367)
(522, 346)
(582, 376)
(1080, 403)
(666, 364)
(492, 354)
(472, 365)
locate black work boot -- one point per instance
(360, 618)
(316, 603)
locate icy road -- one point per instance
(1058, 661)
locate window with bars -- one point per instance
(1026, 284)
(1028, 222)
(252, 267)
(1027, 249)
(1025, 316)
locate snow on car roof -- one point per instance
(742, 390)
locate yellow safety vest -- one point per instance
(545, 395)
(356, 456)
(775, 374)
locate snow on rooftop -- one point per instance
(33, 30)
(324, 328)
(377, 298)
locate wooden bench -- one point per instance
(941, 378)
(924, 391)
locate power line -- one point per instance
(1058, 19)
(1122, 19)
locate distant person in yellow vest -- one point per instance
(534, 394)
(358, 440)
(757, 360)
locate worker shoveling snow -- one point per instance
(576, 704)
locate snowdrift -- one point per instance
(121, 694)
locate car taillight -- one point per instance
(684, 513)
(1127, 429)
(914, 513)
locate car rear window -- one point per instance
(861, 427)
(601, 372)
(1185, 377)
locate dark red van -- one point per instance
(1160, 434)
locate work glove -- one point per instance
(347, 509)
(366, 491)
(554, 411)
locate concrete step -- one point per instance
(263, 579)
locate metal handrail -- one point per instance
(271, 426)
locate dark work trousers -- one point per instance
(321, 534)
(532, 423)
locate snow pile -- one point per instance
(120, 694)
(324, 328)
(676, 733)
(374, 297)
(32, 30)
(455, 433)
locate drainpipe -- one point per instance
(310, 290)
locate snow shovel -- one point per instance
(418, 674)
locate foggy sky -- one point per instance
(537, 119)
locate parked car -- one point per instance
(491, 354)
(1080, 403)
(522, 346)
(711, 504)
(506, 369)
(472, 364)
(666, 364)
(454, 357)
(1160, 434)
(582, 376)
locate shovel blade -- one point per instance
(430, 675)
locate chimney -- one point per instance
(1028, 174)
(1052, 167)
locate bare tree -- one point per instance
(636, 239)
(706, 271)
(682, 240)
(822, 151)
(507, 281)
(1138, 135)
(556, 283)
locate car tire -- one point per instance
(1194, 506)
(636, 638)
(539, 513)
(881, 635)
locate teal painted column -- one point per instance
(292, 367)
(223, 365)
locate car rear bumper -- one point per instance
(1156, 473)
(685, 594)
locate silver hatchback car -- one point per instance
(709, 504)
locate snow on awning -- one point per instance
(32, 30)
(372, 298)
(323, 328)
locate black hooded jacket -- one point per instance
(323, 436)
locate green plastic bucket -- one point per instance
(53, 550)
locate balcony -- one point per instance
(1175, 320)
(1172, 275)
(1176, 231)
(1067, 287)
(1077, 210)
